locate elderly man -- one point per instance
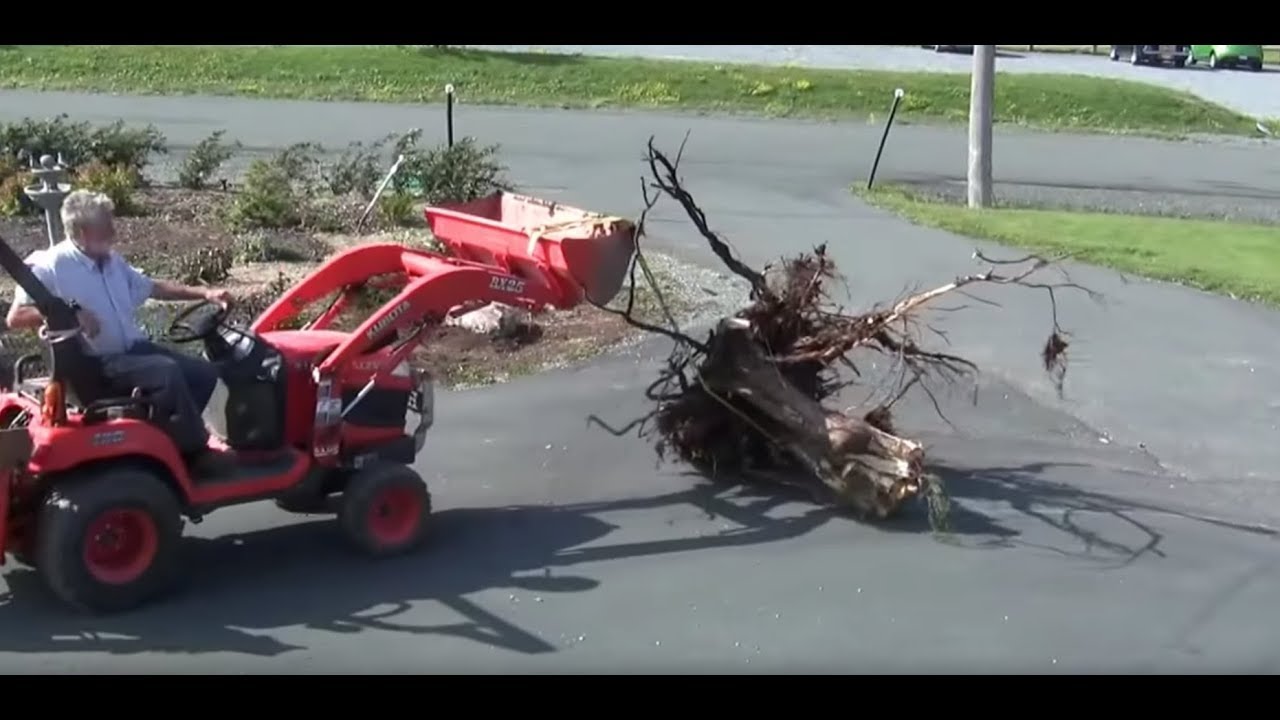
(84, 268)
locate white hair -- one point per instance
(84, 208)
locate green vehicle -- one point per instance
(1228, 55)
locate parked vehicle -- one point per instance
(1228, 55)
(951, 48)
(1152, 54)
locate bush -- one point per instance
(47, 137)
(206, 266)
(396, 209)
(115, 181)
(444, 174)
(80, 143)
(300, 162)
(358, 170)
(13, 199)
(204, 160)
(267, 198)
(131, 148)
(287, 192)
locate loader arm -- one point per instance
(347, 268)
(357, 266)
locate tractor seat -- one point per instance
(131, 405)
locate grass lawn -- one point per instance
(419, 73)
(1237, 259)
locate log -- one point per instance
(867, 469)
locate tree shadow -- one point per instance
(524, 58)
(1056, 506)
(240, 587)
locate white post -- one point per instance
(981, 98)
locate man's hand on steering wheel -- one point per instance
(222, 297)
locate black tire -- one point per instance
(1135, 56)
(1115, 54)
(1180, 62)
(1213, 61)
(76, 505)
(399, 499)
(1255, 65)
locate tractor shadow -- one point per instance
(304, 577)
(259, 593)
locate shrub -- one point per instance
(130, 148)
(267, 198)
(300, 162)
(47, 137)
(115, 181)
(396, 209)
(358, 170)
(205, 159)
(80, 143)
(280, 192)
(13, 199)
(206, 266)
(443, 174)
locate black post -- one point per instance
(897, 98)
(448, 111)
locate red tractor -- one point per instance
(93, 492)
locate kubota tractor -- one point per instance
(93, 492)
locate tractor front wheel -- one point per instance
(110, 541)
(385, 509)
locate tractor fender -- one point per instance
(58, 450)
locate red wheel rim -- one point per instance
(120, 545)
(394, 515)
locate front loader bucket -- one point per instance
(586, 252)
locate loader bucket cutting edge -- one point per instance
(586, 252)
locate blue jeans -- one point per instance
(201, 375)
(179, 387)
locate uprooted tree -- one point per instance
(747, 402)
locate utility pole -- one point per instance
(981, 98)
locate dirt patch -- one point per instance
(173, 229)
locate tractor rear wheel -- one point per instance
(109, 541)
(385, 509)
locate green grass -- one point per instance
(419, 73)
(1237, 259)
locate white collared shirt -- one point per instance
(112, 290)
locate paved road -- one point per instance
(1111, 531)
(1255, 94)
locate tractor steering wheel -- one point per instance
(185, 329)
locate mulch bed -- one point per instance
(174, 225)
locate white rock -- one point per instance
(492, 319)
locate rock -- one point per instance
(503, 321)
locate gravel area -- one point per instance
(1259, 206)
(1256, 94)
